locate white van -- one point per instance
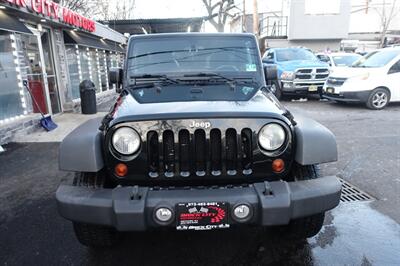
(373, 80)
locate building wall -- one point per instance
(307, 22)
(315, 45)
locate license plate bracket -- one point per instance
(202, 216)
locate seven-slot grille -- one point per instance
(312, 73)
(200, 153)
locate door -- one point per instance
(49, 71)
(32, 71)
(44, 70)
(393, 79)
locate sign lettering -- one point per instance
(53, 10)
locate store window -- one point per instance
(90, 63)
(12, 101)
(110, 58)
(103, 70)
(94, 68)
(72, 52)
(84, 63)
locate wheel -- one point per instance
(95, 236)
(378, 99)
(308, 226)
(305, 227)
(276, 89)
(91, 235)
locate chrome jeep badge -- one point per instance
(195, 124)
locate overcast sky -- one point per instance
(167, 8)
(360, 22)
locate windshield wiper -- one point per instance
(158, 77)
(209, 75)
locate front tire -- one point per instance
(378, 99)
(276, 89)
(308, 226)
(91, 235)
(95, 236)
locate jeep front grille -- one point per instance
(200, 153)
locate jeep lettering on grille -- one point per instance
(195, 124)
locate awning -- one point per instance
(114, 46)
(73, 37)
(9, 23)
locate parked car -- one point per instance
(195, 141)
(373, 80)
(299, 71)
(338, 59)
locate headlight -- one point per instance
(364, 76)
(126, 141)
(287, 75)
(271, 137)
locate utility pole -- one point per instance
(244, 17)
(256, 30)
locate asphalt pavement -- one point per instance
(355, 233)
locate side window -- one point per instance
(395, 68)
(323, 58)
(269, 56)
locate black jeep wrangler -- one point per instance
(195, 141)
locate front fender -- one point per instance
(81, 150)
(315, 143)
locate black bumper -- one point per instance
(356, 96)
(132, 209)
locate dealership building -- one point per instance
(46, 51)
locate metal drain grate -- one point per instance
(350, 193)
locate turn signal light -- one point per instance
(121, 169)
(278, 165)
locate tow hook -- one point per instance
(135, 194)
(268, 189)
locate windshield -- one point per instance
(195, 54)
(377, 58)
(294, 54)
(345, 60)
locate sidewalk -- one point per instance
(66, 123)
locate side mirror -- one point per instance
(115, 75)
(271, 73)
(268, 61)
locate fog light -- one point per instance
(287, 85)
(241, 212)
(163, 214)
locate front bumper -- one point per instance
(302, 87)
(132, 208)
(353, 96)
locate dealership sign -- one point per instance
(53, 10)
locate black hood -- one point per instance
(262, 104)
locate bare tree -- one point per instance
(218, 12)
(125, 9)
(386, 14)
(83, 7)
(104, 12)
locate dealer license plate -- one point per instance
(313, 88)
(330, 90)
(202, 216)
